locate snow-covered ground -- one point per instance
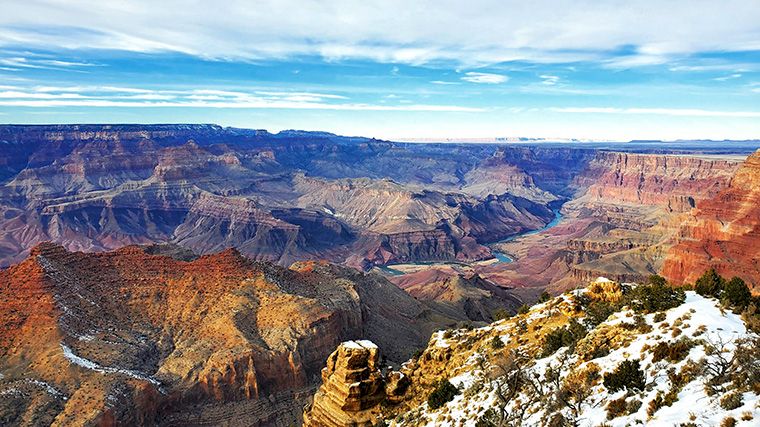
(698, 318)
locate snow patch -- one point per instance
(88, 364)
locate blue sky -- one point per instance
(390, 69)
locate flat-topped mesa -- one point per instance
(352, 388)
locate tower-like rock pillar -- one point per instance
(352, 388)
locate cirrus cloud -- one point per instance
(487, 78)
(476, 32)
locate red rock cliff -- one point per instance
(724, 232)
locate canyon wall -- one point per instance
(722, 233)
(129, 337)
(280, 197)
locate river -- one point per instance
(500, 256)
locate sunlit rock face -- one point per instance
(723, 232)
(131, 337)
(352, 388)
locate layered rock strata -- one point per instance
(352, 388)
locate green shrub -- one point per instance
(710, 284)
(545, 296)
(628, 375)
(524, 309)
(728, 422)
(500, 314)
(736, 293)
(563, 337)
(444, 392)
(660, 317)
(598, 311)
(731, 401)
(497, 343)
(656, 296)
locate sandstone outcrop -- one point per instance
(674, 182)
(722, 233)
(352, 388)
(131, 338)
(626, 209)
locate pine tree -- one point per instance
(736, 293)
(710, 284)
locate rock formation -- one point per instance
(723, 232)
(132, 338)
(455, 292)
(626, 209)
(279, 197)
(352, 388)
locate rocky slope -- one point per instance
(560, 364)
(723, 232)
(453, 291)
(131, 338)
(279, 197)
(620, 224)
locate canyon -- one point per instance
(201, 275)
(360, 202)
(132, 337)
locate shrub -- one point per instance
(448, 333)
(616, 408)
(490, 418)
(751, 317)
(545, 296)
(444, 392)
(633, 406)
(524, 309)
(563, 337)
(656, 296)
(673, 352)
(597, 312)
(656, 279)
(500, 314)
(710, 284)
(628, 375)
(660, 317)
(497, 343)
(731, 401)
(655, 404)
(736, 293)
(728, 422)
(558, 420)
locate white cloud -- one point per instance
(729, 77)
(443, 82)
(487, 78)
(114, 97)
(549, 80)
(475, 32)
(685, 112)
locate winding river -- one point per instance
(500, 256)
